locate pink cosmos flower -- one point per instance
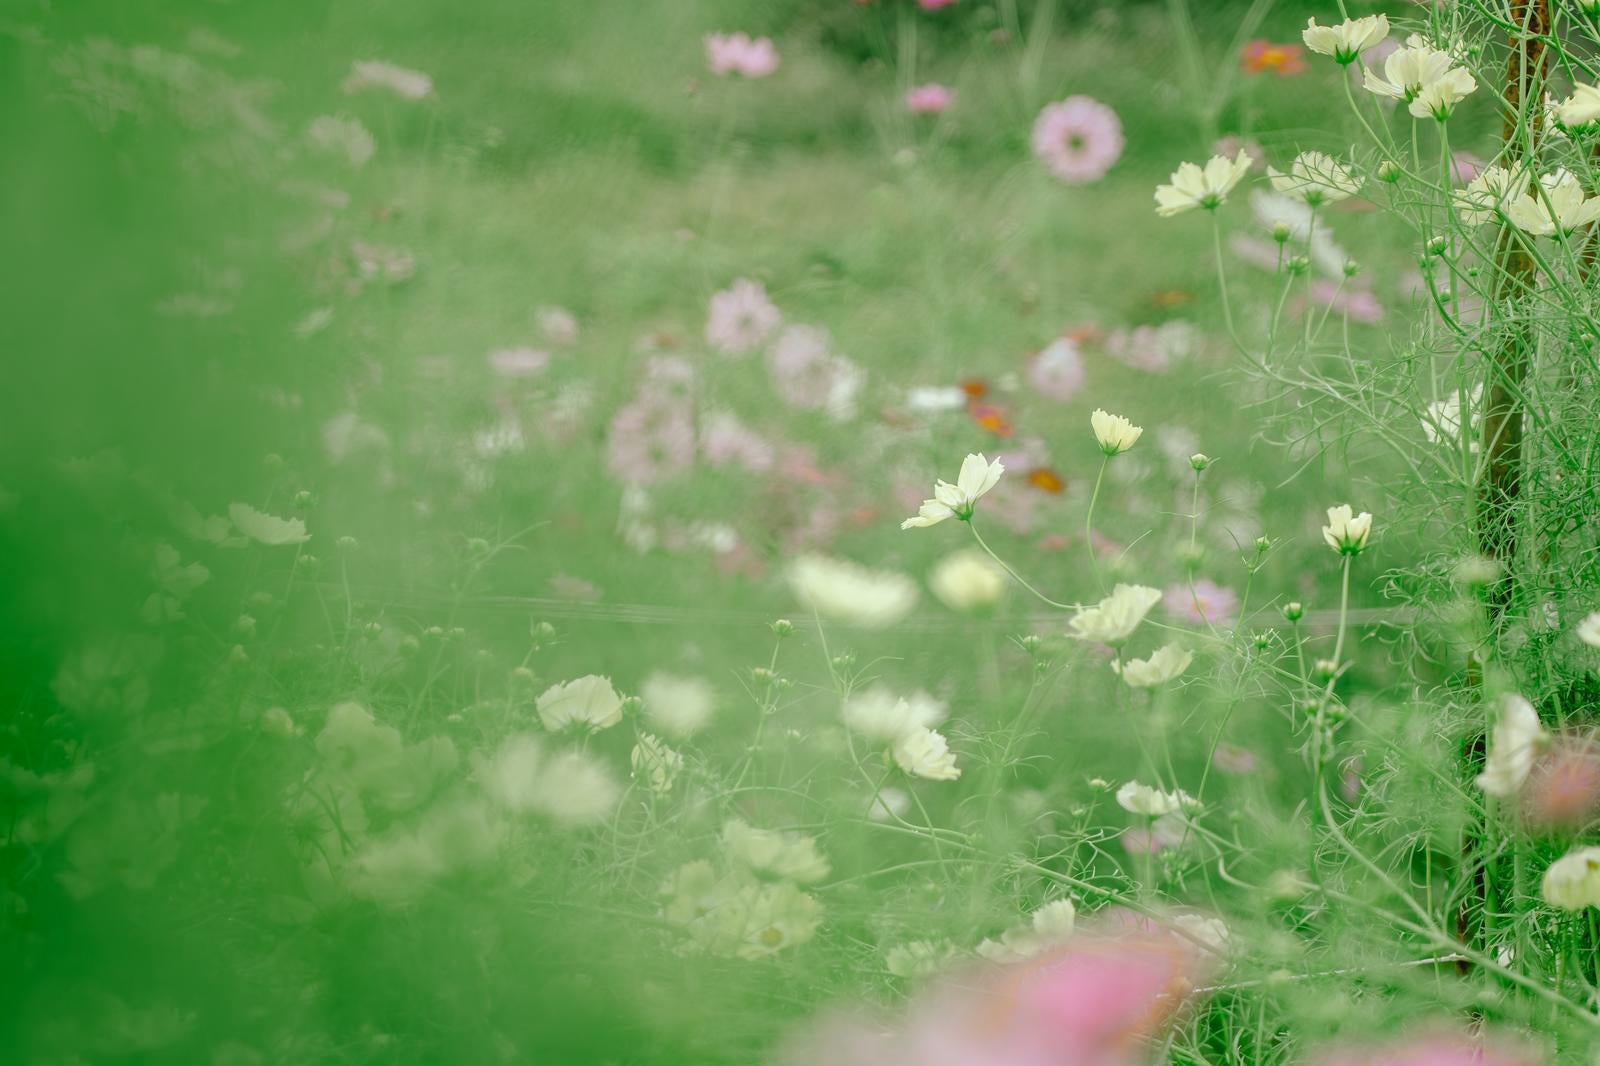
(649, 440)
(1077, 139)
(934, 5)
(1465, 165)
(376, 74)
(1233, 144)
(1154, 348)
(1232, 759)
(518, 362)
(740, 318)
(726, 441)
(1057, 371)
(1437, 1049)
(559, 326)
(929, 99)
(1208, 602)
(737, 53)
(1563, 791)
(804, 368)
(1360, 304)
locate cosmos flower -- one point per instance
(1114, 433)
(774, 853)
(1113, 619)
(655, 765)
(342, 135)
(267, 529)
(1315, 178)
(1056, 372)
(518, 362)
(1490, 194)
(1443, 1048)
(377, 74)
(1407, 71)
(1573, 881)
(930, 99)
(740, 318)
(650, 440)
(1563, 791)
(967, 580)
(1588, 630)
(1152, 802)
(919, 958)
(1203, 602)
(737, 53)
(1559, 206)
(727, 441)
(1439, 98)
(1348, 39)
(1260, 56)
(1164, 664)
(846, 592)
(588, 701)
(1442, 424)
(1517, 740)
(1347, 532)
(878, 714)
(978, 475)
(1205, 187)
(924, 753)
(1580, 112)
(1077, 139)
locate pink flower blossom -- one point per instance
(1436, 1049)
(934, 5)
(929, 99)
(740, 318)
(1154, 348)
(1563, 791)
(518, 362)
(1207, 602)
(1077, 139)
(808, 375)
(377, 74)
(1232, 759)
(726, 441)
(649, 440)
(1359, 303)
(1233, 144)
(736, 53)
(1057, 371)
(559, 326)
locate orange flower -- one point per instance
(992, 419)
(1170, 298)
(974, 388)
(1046, 480)
(1260, 56)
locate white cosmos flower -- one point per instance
(878, 714)
(1346, 531)
(1588, 630)
(967, 580)
(1513, 747)
(1579, 112)
(1442, 424)
(1209, 932)
(1194, 186)
(1115, 433)
(576, 788)
(1409, 70)
(1559, 205)
(1573, 881)
(1113, 619)
(772, 853)
(845, 592)
(1050, 925)
(919, 958)
(978, 475)
(588, 701)
(654, 764)
(1348, 39)
(1438, 98)
(925, 753)
(680, 706)
(1152, 802)
(1490, 195)
(1165, 664)
(1316, 178)
(265, 528)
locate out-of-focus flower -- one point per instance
(1136, 798)
(1588, 630)
(774, 854)
(1056, 372)
(1208, 932)
(878, 714)
(1114, 433)
(740, 318)
(925, 753)
(1077, 139)
(1346, 531)
(967, 580)
(650, 440)
(919, 958)
(1560, 206)
(1113, 619)
(846, 592)
(1164, 664)
(738, 53)
(1348, 39)
(576, 788)
(1517, 740)
(1580, 112)
(655, 765)
(1260, 56)
(1050, 926)
(929, 99)
(1205, 187)
(559, 326)
(377, 74)
(978, 475)
(1442, 425)
(1316, 178)
(1563, 790)
(342, 135)
(518, 362)
(1435, 1049)
(809, 376)
(736, 916)
(726, 441)
(1490, 194)
(1155, 348)
(267, 529)
(588, 701)
(992, 418)
(1573, 881)
(680, 706)
(1203, 601)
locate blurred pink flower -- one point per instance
(1465, 165)
(518, 362)
(934, 5)
(1437, 1049)
(1077, 139)
(1207, 602)
(377, 74)
(649, 440)
(1154, 348)
(808, 375)
(1233, 144)
(1056, 372)
(726, 441)
(1360, 304)
(1232, 759)
(929, 99)
(736, 53)
(1563, 791)
(740, 318)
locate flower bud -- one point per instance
(1280, 232)
(1297, 265)
(1389, 171)
(1030, 643)
(348, 544)
(1199, 461)
(1438, 246)
(1263, 545)
(1294, 610)
(783, 627)
(1351, 268)
(302, 500)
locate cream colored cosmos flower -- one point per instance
(1490, 195)
(655, 765)
(1164, 664)
(772, 853)
(1517, 740)
(1439, 98)
(1558, 206)
(1588, 630)
(1409, 70)
(978, 475)
(1348, 39)
(1580, 112)
(1115, 433)
(1136, 798)
(1346, 531)
(919, 958)
(845, 592)
(878, 714)
(925, 753)
(588, 701)
(1113, 619)
(1208, 187)
(680, 706)
(265, 528)
(968, 580)
(1316, 178)
(1573, 881)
